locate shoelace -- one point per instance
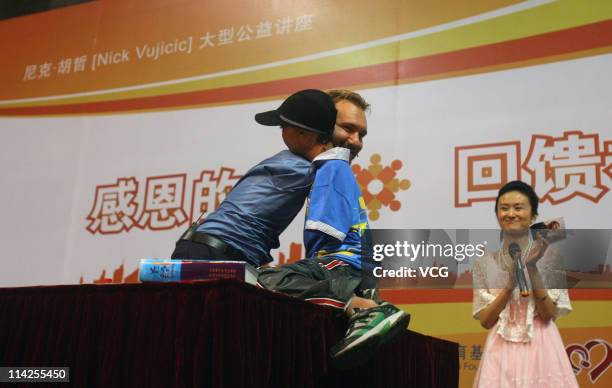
(387, 308)
(360, 319)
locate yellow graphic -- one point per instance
(379, 184)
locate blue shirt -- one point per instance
(336, 216)
(261, 206)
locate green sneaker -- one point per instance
(368, 329)
(372, 293)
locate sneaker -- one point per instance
(368, 329)
(372, 293)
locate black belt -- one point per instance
(215, 243)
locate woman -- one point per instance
(523, 348)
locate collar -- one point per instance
(339, 153)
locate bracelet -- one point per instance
(541, 298)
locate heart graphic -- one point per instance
(584, 358)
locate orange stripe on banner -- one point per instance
(513, 65)
(407, 296)
(576, 39)
(554, 44)
(591, 294)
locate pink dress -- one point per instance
(521, 351)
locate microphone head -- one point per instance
(514, 250)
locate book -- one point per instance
(166, 270)
(552, 230)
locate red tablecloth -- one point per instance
(208, 334)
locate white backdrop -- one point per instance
(50, 167)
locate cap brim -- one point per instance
(271, 118)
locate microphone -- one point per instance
(515, 252)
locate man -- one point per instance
(267, 198)
(351, 124)
(336, 222)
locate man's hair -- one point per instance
(348, 95)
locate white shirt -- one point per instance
(515, 323)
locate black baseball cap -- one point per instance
(311, 110)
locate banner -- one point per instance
(123, 121)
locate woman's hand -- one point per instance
(538, 248)
(511, 284)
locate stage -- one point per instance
(221, 333)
